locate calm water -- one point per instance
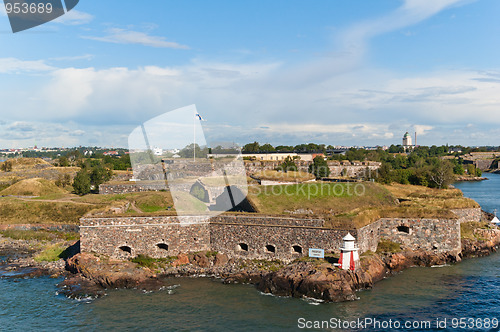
(468, 289)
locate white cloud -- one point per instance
(13, 65)
(122, 36)
(74, 58)
(75, 17)
(410, 13)
(333, 99)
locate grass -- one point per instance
(211, 253)
(467, 229)
(154, 201)
(153, 263)
(40, 235)
(51, 253)
(263, 265)
(429, 197)
(387, 246)
(16, 211)
(321, 198)
(33, 187)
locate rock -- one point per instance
(182, 259)
(303, 279)
(108, 274)
(200, 260)
(221, 259)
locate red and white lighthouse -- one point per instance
(349, 256)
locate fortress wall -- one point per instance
(484, 164)
(247, 236)
(465, 215)
(142, 235)
(288, 242)
(353, 170)
(132, 187)
(335, 167)
(425, 234)
(368, 237)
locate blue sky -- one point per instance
(285, 72)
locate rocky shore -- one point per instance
(470, 178)
(90, 275)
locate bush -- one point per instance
(63, 180)
(6, 166)
(81, 183)
(319, 168)
(287, 165)
(51, 253)
(387, 246)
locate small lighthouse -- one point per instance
(349, 256)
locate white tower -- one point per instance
(349, 256)
(407, 144)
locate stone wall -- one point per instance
(354, 169)
(271, 237)
(425, 234)
(368, 237)
(256, 237)
(132, 187)
(153, 236)
(465, 215)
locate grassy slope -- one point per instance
(341, 207)
(16, 211)
(33, 187)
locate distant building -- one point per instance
(280, 156)
(157, 151)
(407, 143)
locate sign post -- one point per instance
(317, 253)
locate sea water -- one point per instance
(466, 293)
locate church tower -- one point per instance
(407, 144)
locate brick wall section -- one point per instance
(465, 215)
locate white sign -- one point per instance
(317, 253)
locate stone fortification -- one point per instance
(256, 237)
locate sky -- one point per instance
(277, 71)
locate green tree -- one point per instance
(81, 183)
(459, 169)
(251, 147)
(99, 174)
(266, 148)
(441, 174)
(287, 165)
(63, 161)
(385, 173)
(319, 168)
(6, 166)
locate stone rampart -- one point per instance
(152, 236)
(425, 234)
(256, 237)
(465, 215)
